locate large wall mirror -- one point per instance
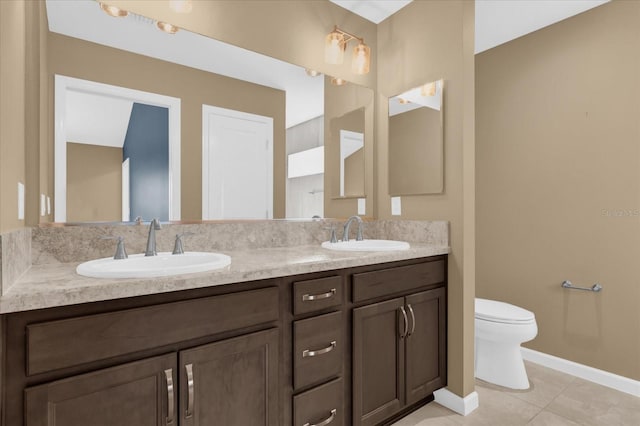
(416, 141)
(230, 134)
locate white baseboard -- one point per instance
(453, 402)
(601, 377)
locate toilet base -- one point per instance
(501, 364)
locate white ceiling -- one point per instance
(500, 21)
(375, 11)
(497, 21)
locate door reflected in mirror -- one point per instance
(416, 143)
(117, 153)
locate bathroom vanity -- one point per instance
(358, 345)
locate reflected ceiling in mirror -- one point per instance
(416, 143)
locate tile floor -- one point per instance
(554, 399)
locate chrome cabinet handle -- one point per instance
(309, 297)
(325, 421)
(170, 403)
(413, 320)
(405, 329)
(189, 412)
(329, 348)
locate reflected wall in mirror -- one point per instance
(416, 141)
(132, 53)
(348, 145)
(348, 133)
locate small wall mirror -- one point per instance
(416, 142)
(347, 132)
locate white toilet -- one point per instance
(500, 329)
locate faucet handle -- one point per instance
(121, 252)
(138, 220)
(178, 247)
(334, 237)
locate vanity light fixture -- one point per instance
(311, 73)
(181, 6)
(116, 12)
(167, 27)
(428, 89)
(336, 44)
(337, 81)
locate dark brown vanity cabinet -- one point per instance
(130, 394)
(399, 348)
(319, 352)
(231, 382)
(355, 346)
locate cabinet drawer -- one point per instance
(65, 343)
(369, 285)
(318, 346)
(321, 405)
(314, 295)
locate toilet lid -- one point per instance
(492, 310)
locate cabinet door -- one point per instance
(426, 344)
(233, 382)
(138, 393)
(378, 361)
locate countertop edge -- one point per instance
(56, 285)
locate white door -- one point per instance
(126, 206)
(237, 165)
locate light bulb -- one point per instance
(116, 12)
(167, 27)
(334, 48)
(361, 59)
(337, 81)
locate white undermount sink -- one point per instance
(367, 245)
(162, 265)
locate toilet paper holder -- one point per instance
(595, 288)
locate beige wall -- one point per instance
(416, 138)
(354, 173)
(94, 183)
(426, 41)
(13, 31)
(559, 183)
(353, 121)
(339, 101)
(76, 58)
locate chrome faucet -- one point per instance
(151, 239)
(347, 225)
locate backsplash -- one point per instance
(15, 256)
(62, 244)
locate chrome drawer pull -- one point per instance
(413, 320)
(170, 403)
(309, 297)
(329, 348)
(189, 412)
(326, 421)
(405, 328)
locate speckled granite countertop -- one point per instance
(57, 284)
